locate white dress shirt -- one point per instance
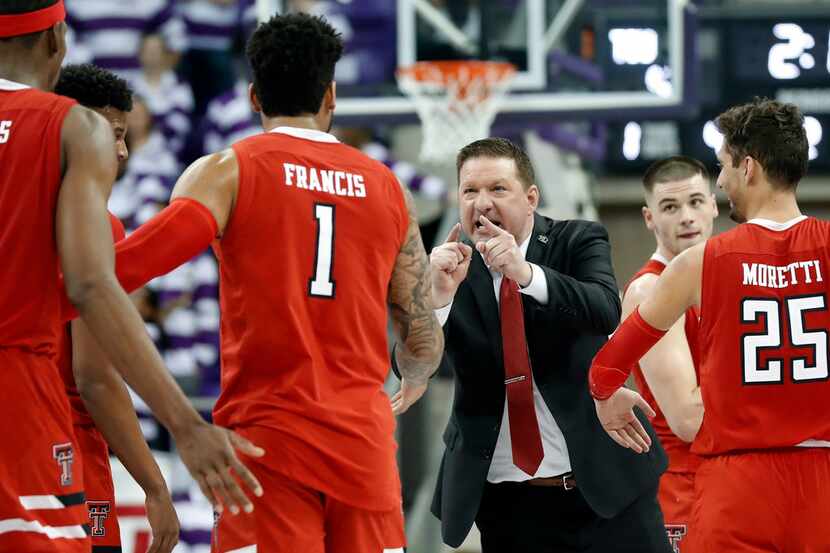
(556, 460)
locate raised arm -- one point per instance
(420, 339)
(668, 368)
(86, 251)
(676, 290)
(108, 402)
(199, 210)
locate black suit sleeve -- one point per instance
(586, 298)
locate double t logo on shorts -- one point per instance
(64, 455)
(675, 533)
(98, 512)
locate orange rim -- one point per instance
(450, 71)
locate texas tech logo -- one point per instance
(64, 457)
(98, 512)
(675, 533)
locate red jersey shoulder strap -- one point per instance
(652, 267)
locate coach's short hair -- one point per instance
(672, 169)
(94, 87)
(498, 148)
(292, 57)
(770, 132)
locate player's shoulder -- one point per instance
(221, 162)
(37, 95)
(82, 125)
(640, 287)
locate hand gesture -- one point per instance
(407, 396)
(501, 253)
(449, 263)
(163, 522)
(616, 414)
(209, 453)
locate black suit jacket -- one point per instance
(563, 336)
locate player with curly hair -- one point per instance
(102, 410)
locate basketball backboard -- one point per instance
(576, 59)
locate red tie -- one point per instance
(524, 428)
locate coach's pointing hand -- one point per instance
(449, 263)
(501, 253)
(209, 452)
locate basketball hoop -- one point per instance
(457, 102)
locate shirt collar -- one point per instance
(657, 256)
(307, 134)
(11, 85)
(774, 225)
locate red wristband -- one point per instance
(613, 363)
(176, 234)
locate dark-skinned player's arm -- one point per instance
(86, 252)
(420, 338)
(177, 234)
(677, 288)
(108, 402)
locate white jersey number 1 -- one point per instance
(322, 286)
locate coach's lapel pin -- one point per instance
(542, 238)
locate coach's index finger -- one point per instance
(491, 227)
(454, 234)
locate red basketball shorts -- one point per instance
(291, 517)
(100, 492)
(763, 501)
(42, 506)
(676, 496)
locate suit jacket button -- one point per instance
(485, 454)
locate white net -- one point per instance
(456, 101)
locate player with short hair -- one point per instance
(680, 209)
(102, 410)
(58, 165)
(316, 242)
(765, 480)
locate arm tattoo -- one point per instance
(410, 298)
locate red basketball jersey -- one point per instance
(764, 336)
(305, 263)
(80, 416)
(681, 459)
(30, 177)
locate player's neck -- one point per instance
(20, 70)
(300, 122)
(664, 252)
(778, 206)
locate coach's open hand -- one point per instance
(616, 414)
(449, 263)
(209, 452)
(501, 253)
